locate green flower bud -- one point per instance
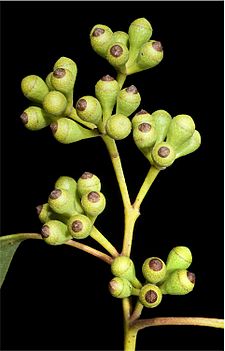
(179, 282)
(144, 134)
(35, 118)
(163, 155)
(180, 257)
(128, 100)
(63, 80)
(150, 55)
(45, 214)
(34, 88)
(123, 267)
(120, 287)
(55, 103)
(154, 270)
(100, 37)
(55, 233)
(67, 131)
(162, 121)
(67, 63)
(117, 55)
(93, 203)
(88, 182)
(150, 296)
(190, 145)
(141, 116)
(118, 126)
(89, 109)
(181, 129)
(62, 202)
(120, 37)
(106, 91)
(48, 81)
(79, 226)
(139, 32)
(69, 184)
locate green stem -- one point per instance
(161, 321)
(90, 250)
(152, 174)
(73, 114)
(130, 337)
(137, 312)
(101, 239)
(121, 77)
(21, 236)
(131, 215)
(115, 158)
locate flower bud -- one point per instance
(163, 155)
(93, 203)
(117, 55)
(180, 130)
(144, 134)
(118, 126)
(89, 109)
(100, 37)
(162, 120)
(150, 296)
(88, 182)
(120, 287)
(67, 131)
(48, 81)
(141, 116)
(190, 145)
(139, 32)
(106, 91)
(67, 63)
(79, 226)
(69, 184)
(55, 103)
(62, 202)
(55, 232)
(35, 118)
(63, 80)
(128, 100)
(123, 267)
(179, 282)
(34, 88)
(120, 37)
(180, 257)
(154, 270)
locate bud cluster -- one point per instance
(71, 209)
(128, 52)
(163, 139)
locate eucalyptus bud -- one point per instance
(144, 134)
(120, 37)
(79, 226)
(123, 267)
(150, 296)
(118, 126)
(88, 182)
(45, 213)
(55, 233)
(163, 155)
(120, 287)
(34, 88)
(117, 55)
(69, 184)
(106, 91)
(100, 37)
(55, 103)
(67, 63)
(141, 116)
(48, 81)
(67, 131)
(139, 32)
(35, 118)
(128, 100)
(63, 80)
(181, 129)
(89, 109)
(180, 257)
(162, 120)
(62, 201)
(154, 270)
(179, 282)
(93, 203)
(190, 145)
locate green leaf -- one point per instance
(8, 247)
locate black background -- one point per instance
(56, 297)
